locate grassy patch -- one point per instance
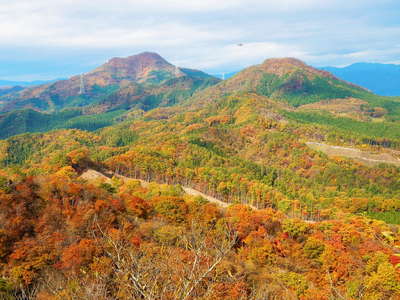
(372, 130)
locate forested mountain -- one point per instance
(291, 81)
(382, 79)
(142, 81)
(79, 217)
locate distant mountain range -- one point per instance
(4, 90)
(142, 82)
(10, 83)
(382, 79)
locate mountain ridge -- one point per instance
(12, 83)
(131, 83)
(144, 72)
(382, 79)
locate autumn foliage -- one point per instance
(62, 238)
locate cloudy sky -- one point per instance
(45, 39)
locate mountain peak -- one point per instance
(135, 66)
(382, 79)
(285, 79)
(285, 60)
(144, 58)
(288, 65)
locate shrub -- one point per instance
(295, 228)
(313, 248)
(295, 282)
(172, 208)
(168, 234)
(108, 187)
(383, 284)
(5, 290)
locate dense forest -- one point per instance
(63, 237)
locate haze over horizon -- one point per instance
(46, 40)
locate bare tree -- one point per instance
(206, 258)
(161, 273)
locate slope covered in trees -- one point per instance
(315, 233)
(66, 238)
(27, 120)
(239, 149)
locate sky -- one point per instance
(47, 39)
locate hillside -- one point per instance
(124, 240)
(126, 205)
(28, 120)
(242, 147)
(364, 157)
(142, 81)
(382, 79)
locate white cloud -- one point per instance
(236, 56)
(200, 33)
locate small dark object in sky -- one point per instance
(240, 44)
